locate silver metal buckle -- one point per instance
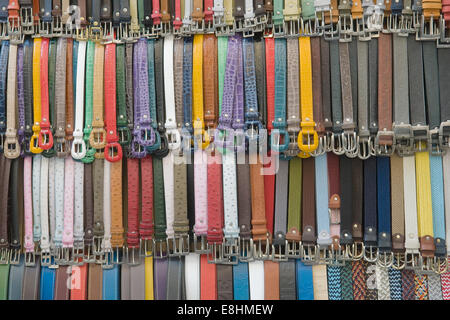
(336, 256)
(311, 28)
(215, 252)
(180, 245)
(57, 27)
(261, 249)
(119, 255)
(444, 135)
(278, 30)
(197, 26)
(345, 28)
(160, 250)
(4, 255)
(46, 258)
(370, 253)
(294, 249)
(200, 246)
(349, 142)
(428, 30)
(357, 251)
(404, 141)
(14, 257)
(309, 253)
(440, 265)
(88, 256)
(337, 144)
(385, 259)
(133, 256)
(324, 255)
(412, 260)
(434, 143)
(399, 261)
(363, 143)
(426, 265)
(231, 247)
(293, 27)
(330, 31)
(108, 258)
(246, 250)
(26, 15)
(384, 149)
(421, 135)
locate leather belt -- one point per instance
(271, 280)
(11, 146)
(159, 147)
(28, 97)
(90, 54)
(293, 99)
(370, 210)
(293, 235)
(241, 281)
(122, 119)
(279, 137)
(385, 257)
(34, 148)
(79, 146)
(244, 210)
(281, 211)
(61, 145)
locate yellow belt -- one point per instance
(197, 90)
(36, 95)
(149, 278)
(424, 203)
(308, 140)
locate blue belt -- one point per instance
(437, 197)
(395, 284)
(384, 203)
(370, 202)
(305, 287)
(240, 281)
(16, 273)
(322, 214)
(334, 282)
(48, 279)
(111, 283)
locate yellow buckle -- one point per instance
(34, 146)
(307, 140)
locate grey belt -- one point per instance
(402, 127)
(280, 222)
(287, 280)
(363, 101)
(31, 281)
(60, 99)
(175, 279)
(349, 134)
(132, 282)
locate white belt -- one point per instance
(384, 292)
(68, 202)
(28, 204)
(256, 279)
(77, 152)
(249, 13)
(412, 244)
(192, 278)
(230, 205)
(218, 8)
(51, 199)
(11, 132)
(36, 181)
(169, 93)
(187, 13)
(201, 192)
(168, 193)
(322, 5)
(106, 243)
(59, 202)
(45, 242)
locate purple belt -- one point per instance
(143, 133)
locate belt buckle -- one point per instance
(375, 23)
(330, 31)
(365, 34)
(385, 259)
(145, 249)
(421, 136)
(434, 142)
(363, 147)
(108, 259)
(337, 144)
(394, 23)
(66, 256)
(113, 151)
(399, 261)
(30, 258)
(239, 140)
(324, 255)
(345, 28)
(119, 255)
(406, 25)
(185, 28)
(159, 248)
(197, 26)
(261, 249)
(321, 147)
(78, 150)
(444, 135)
(97, 248)
(88, 255)
(444, 40)
(57, 26)
(293, 149)
(278, 30)
(81, 34)
(357, 251)
(385, 143)
(358, 29)
(61, 146)
(45, 28)
(97, 138)
(215, 252)
(45, 138)
(78, 250)
(231, 247)
(293, 27)
(370, 253)
(166, 28)
(404, 141)
(310, 27)
(294, 249)
(133, 255)
(15, 30)
(248, 28)
(180, 244)
(275, 136)
(428, 30)
(173, 138)
(14, 256)
(245, 249)
(412, 260)
(336, 256)
(95, 32)
(209, 27)
(200, 246)
(349, 143)
(26, 20)
(46, 258)
(4, 255)
(11, 147)
(426, 265)
(124, 134)
(440, 265)
(309, 254)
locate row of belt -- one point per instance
(193, 278)
(150, 97)
(127, 20)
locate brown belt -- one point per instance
(210, 81)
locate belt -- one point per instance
(318, 100)
(256, 279)
(240, 279)
(69, 92)
(208, 279)
(79, 146)
(159, 237)
(322, 214)
(398, 215)
(346, 198)
(153, 101)
(359, 280)
(122, 119)
(320, 282)
(175, 275)
(47, 283)
(31, 278)
(334, 203)
(384, 212)
(106, 245)
(357, 216)
(225, 282)
(95, 282)
(62, 292)
(304, 277)
(245, 211)
(293, 235)
(384, 141)
(34, 148)
(28, 97)
(281, 211)
(133, 190)
(287, 274)
(160, 271)
(97, 138)
(111, 283)
(363, 139)
(46, 258)
(335, 78)
(192, 282)
(279, 123)
(293, 90)
(90, 55)
(61, 99)
(308, 216)
(148, 265)
(11, 143)
(271, 280)
(370, 210)
(51, 94)
(117, 230)
(334, 283)
(113, 150)
(421, 286)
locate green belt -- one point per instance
(222, 48)
(4, 277)
(159, 200)
(295, 195)
(121, 91)
(89, 157)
